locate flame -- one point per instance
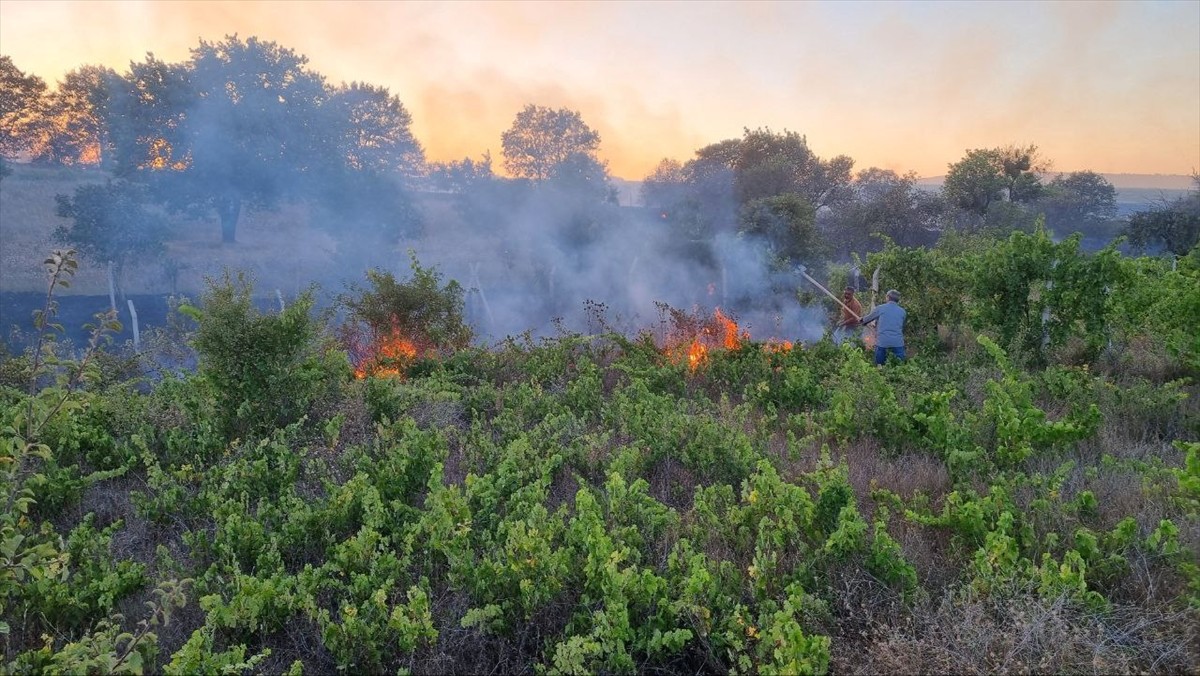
(694, 337)
(732, 339)
(697, 354)
(778, 346)
(869, 336)
(386, 357)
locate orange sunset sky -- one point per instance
(1107, 86)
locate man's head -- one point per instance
(849, 292)
(893, 296)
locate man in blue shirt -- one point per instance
(891, 328)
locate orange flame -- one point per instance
(732, 339)
(389, 354)
(778, 346)
(697, 354)
(694, 337)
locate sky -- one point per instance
(1112, 87)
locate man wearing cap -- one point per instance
(890, 328)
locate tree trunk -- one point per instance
(229, 207)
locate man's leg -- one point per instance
(880, 355)
(899, 352)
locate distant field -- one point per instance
(281, 248)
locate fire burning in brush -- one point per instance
(382, 355)
(692, 337)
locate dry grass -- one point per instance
(1025, 634)
(284, 248)
(906, 475)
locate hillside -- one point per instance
(284, 249)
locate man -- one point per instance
(851, 312)
(890, 328)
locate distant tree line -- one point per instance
(248, 124)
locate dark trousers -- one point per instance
(882, 352)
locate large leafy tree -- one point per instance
(243, 126)
(770, 163)
(885, 203)
(1080, 200)
(376, 130)
(985, 177)
(371, 157)
(72, 125)
(542, 138)
(1021, 167)
(19, 97)
(148, 116)
(705, 195)
(975, 182)
(710, 205)
(664, 186)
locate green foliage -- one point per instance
(587, 504)
(265, 369)
(930, 282)
(93, 583)
(1015, 427)
(1034, 292)
(112, 222)
(787, 223)
(199, 656)
(393, 323)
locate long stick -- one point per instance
(830, 294)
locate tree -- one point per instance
(584, 177)
(253, 132)
(148, 118)
(709, 205)
(1021, 166)
(112, 221)
(460, 176)
(19, 97)
(787, 223)
(72, 122)
(769, 163)
(1175, 224)
(885, 203)
(665, 186)
(986, 176)
(541, 138)
(376, 130)
(975, 182)
(1081, 200)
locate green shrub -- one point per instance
(265, 369)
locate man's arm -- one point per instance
(871, 317)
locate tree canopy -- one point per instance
(987, 176)
(19, 98)
(540, 139)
